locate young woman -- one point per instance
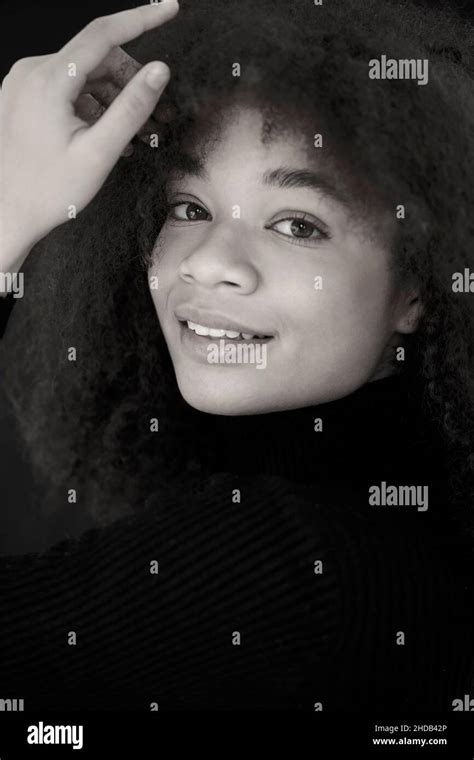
(240, 357)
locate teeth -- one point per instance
(200, 330)
(219, 333)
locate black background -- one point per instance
(38, 28)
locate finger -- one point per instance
(105, 92)
(118, 66)
(71, 66)
(128, 112)
(117, 69)
(90, 110)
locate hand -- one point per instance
(109, 79)
(51, 159)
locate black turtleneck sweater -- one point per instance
(278, 585)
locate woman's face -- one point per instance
(258, 244)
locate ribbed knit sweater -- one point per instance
(265, 581)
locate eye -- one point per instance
(187, 211)
(300, 228)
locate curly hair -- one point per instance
(87, 422)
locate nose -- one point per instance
(221, 261)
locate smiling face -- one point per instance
(261, 242)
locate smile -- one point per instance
(195, 340)
(216, 332)
(204, 323)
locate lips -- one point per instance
(218, 321)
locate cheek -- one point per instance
(343, 322)
(362, 300)
(339, 296)
(162, 273)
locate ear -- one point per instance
(409, 312)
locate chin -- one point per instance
(210, 403)
(221, 398)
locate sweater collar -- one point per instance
(370, 432)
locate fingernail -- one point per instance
(155, 76)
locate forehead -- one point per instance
(246, 144)
(247, 132)
(239, 131)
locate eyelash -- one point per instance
(318, 226)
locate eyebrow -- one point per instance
(285, 177)
(190, 166)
